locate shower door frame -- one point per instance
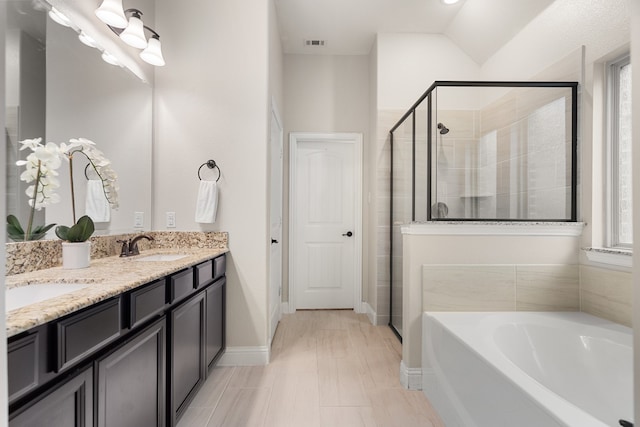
(427, 95)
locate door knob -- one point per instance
(273, 241)
(348, 234)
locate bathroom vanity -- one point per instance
(131, 349)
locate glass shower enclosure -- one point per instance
(482, 151)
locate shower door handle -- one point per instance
(348, 234)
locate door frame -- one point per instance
(275, 307)
(296, 138)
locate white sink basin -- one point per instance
(31, 294)
(161, 257)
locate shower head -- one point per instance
(443, 129)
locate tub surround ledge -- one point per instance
(610, 256)
(494, 228)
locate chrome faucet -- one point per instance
(130, 247)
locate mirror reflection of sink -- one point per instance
(161, 257)
(30, 294)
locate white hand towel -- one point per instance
(96, 203)
(207, 203)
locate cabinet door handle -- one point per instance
(348, 234)
(273, 241)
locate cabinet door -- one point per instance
(131, 381)
(70, 405)
(187, 354)
(23, 367)
(215, 321)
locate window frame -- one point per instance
(612, 235)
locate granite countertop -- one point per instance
(109, 277)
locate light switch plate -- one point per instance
(138, 219)
(171, 220)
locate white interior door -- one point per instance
(326, 210)
(275, 258)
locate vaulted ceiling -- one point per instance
(478, 27)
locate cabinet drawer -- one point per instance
(219, 266)
(181, 285)
(146, 302)
(204, 273)
(22, 361)
(81, 334)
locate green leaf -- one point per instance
(62, 231)
(42, 229)
(79, 232)
(13, 224)
(16, 237)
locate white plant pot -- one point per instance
(76, 254)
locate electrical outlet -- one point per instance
(171, 220)
(138, 219)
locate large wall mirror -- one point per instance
(57, 88)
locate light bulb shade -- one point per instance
(89, 41)
(58, 17)
(133, 35)
(153, 53)
(111, 13)
(110, 59)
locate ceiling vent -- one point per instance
(315, 43)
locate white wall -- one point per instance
(409, 63)
(211, 102)
(276, 60)
(558, 30)
(326, 93)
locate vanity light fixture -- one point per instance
(449, 1)
(133, 35)
(111, 13)
(87, 40)
(110, 59)
(133, 32)
(59, 17)
(153, 53)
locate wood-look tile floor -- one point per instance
(328, 369)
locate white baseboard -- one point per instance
(245, 356)
(370, 312)
(286, 308)
(362, 308)
(374, 318)
(410, 378)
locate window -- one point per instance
(620, 219)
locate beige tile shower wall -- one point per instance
(606, 293)
(457, 287)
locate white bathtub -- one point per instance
(527, 369)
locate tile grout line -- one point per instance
(226, 386)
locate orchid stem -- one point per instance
(27, 234)
(73, 197)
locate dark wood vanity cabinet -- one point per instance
(130, 381)
(68, 405)
(136, 359)
(215, 324)
(187, 353)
